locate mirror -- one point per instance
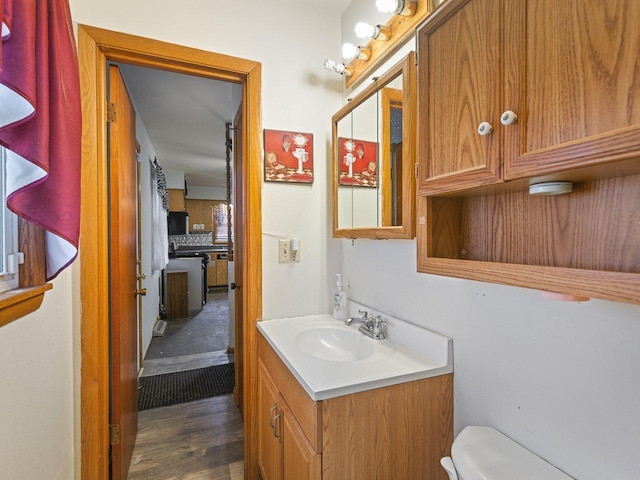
(373, 157)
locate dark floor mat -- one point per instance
(179, 387)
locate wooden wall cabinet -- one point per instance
(567, 70)
(569, 73)
(176, 200)
(398, 432)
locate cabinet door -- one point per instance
(300, 461)
(212, 271)
(459, 77)
(577, 93)
(222, 273)
(176, 200)
(269, 446)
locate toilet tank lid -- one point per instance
(483, 453)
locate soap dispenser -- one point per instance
(339, 301)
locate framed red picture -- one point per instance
(358, 162)
(288, 156)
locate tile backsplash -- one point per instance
(200, 238)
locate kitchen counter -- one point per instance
(329, 361)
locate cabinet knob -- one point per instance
(485, 128)
(508, 118)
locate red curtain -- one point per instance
(40, 122)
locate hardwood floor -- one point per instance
(199, 440)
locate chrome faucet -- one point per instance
(375, 327)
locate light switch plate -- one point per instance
(285, 254)
(284, 251)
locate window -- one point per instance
(8, 235)
(222, 223)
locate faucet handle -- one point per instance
(379, 324)
(364, 314)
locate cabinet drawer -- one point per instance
(306, 411)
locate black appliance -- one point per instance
(177, 223)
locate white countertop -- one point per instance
(408, 353)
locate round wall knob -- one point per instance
(508, 117)
(485, 128)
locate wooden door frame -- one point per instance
(96, 47)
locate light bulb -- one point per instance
(338, 67)
(377, 32)
(401, 7)
(350, 51)
(364, 30)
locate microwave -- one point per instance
(178, 223)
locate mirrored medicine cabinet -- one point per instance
(374, 156)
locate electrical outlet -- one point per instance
(284, 251)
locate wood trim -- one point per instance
(20, 302)
(96, 47)
(407, 69)
(614, 286)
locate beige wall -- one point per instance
(37, 390)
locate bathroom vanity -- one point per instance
(336, 405)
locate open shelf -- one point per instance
(583, 243)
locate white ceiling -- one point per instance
(185, 119)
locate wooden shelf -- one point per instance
(584, 243)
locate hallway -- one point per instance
(200, 440)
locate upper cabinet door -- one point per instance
(573, 79)
(460, 89)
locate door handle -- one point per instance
(141, 291)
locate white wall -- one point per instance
(37, 390)
(150, 301)
(297, 94)
(559, 378)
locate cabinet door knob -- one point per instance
(508, 118)
(234, 285)
(485, 128)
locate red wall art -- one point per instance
(288, 156)
(358, 162)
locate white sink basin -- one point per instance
(334, 344)
(331, 359)
(342, 344)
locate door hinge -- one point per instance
(415, 169)
(112, 112)
(114, 434)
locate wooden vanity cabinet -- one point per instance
(398, 432)
(568, 70)
(285, 450)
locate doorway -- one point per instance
(96, 48)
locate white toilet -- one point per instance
(483, 453)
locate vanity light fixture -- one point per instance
(550, 188)
(350, 51)
(406, 8)
(338, 67)
(376, 32)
